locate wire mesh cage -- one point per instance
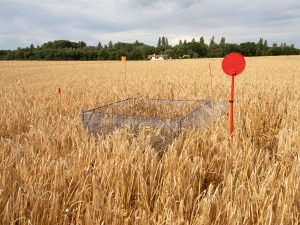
(162, 119)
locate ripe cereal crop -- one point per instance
(52, 171)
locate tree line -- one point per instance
(68, 50)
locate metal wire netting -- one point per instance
(163, 119)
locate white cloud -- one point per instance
(38, 21)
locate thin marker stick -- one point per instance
(59, 91)
(210, 81)
(231, 105)
(233, 64)
(123, 59)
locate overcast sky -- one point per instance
(23, 22)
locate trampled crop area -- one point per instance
(52, 171)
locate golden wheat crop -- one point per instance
(53, 172)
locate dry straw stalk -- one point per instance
(54, 172)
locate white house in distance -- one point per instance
(157, 57)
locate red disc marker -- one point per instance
(233, 64)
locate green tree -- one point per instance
(275, 51)
(59, 44)
(120, 53)
(163, 41)
(160, 49)
(259, 47)
(110, 45)
(137, 43)
(99, 46)
(222, 47)
(167, 42)
(19, 54)
(202, 48)
(248, 49)
(229, 48)
(112, 55)
(146, 50)
(202, 40)
(191, 53)
(170, 52)
(27, 55)
(281, 45)
(288, 50)
(47, 45)
(103, 54)
(180, 52)
(193, 47)
(265, 48)
(214, 51)
(31, 47)
(137, 54)
(212, 41)
(10, 55)
(222, 42)
(81, 44)
(3, 54)
(180, 42)
(159, 42)
(274, 45)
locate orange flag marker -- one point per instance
(123, 59)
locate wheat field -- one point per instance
(52, 171)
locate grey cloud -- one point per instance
(39, 21)
(159, 3)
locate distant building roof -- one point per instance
(184, 56)
(157, 55)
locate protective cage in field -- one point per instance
(160, 120)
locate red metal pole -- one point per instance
(231, 106)
(59, 100)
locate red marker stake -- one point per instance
(59, 101)
(231, 106)
(233, 64)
